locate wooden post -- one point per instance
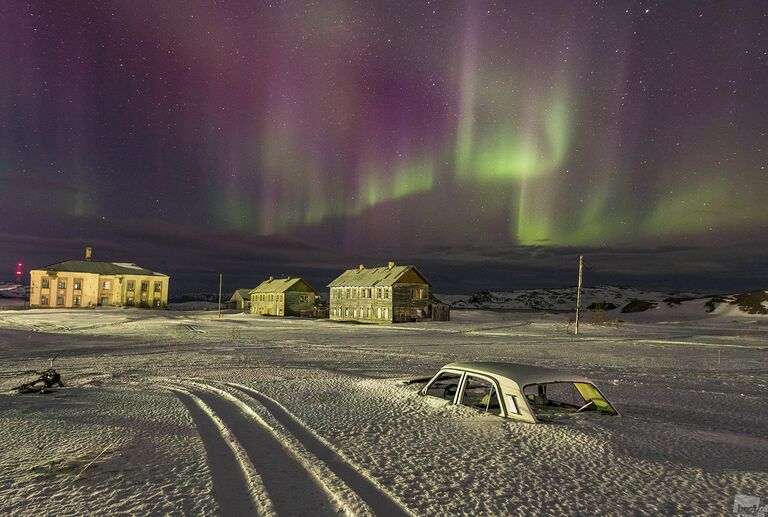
(578, 293)
(220, 276)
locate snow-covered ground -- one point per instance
(175, 412)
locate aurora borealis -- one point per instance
(471, 136)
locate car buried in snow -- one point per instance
(517, 391)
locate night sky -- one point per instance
(490, 143)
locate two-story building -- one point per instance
(88, 283)
(283, 297)
(387, 294)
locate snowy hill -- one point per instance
(623, 300)
(13, 290)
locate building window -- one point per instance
(44, 283)
(78, 285)
(158, 287)
(346, 312)
(62, 283)
(304, 298)
(378, 312)
(76, 301)
(59, 300)
(418, 293)
(131, 285)
(106, 285)
(386, 293)
(43, 299)
(144, 286)
(386, 313)
(129, 301)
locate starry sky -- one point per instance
(489, 142)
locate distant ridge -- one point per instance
(619, 300)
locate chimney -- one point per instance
(360, 267)
(88, 250)
(390, 265)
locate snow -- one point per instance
(186, 405)
(127, 265)
(615, 302)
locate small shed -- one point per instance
(283, 297)
(240, 300)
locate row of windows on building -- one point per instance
(106, 285)
(304, 298)
(62, 283)
(362, 312)
(381, 293)
(269, 297)
(77, 300)
(44, 300)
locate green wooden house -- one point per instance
(283, 297)
(388, 294)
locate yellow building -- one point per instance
(86, 283)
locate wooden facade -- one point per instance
(389, 294)
(283, 297)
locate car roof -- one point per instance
(522, 374)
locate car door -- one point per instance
(480, 392)
(445, 385)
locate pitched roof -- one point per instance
(100, 268)
(244, 294)
(380, 276)
(277, 285)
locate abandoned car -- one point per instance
(517, 391)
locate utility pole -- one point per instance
(220, 276)
(578, 294)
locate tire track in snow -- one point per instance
(292, 489)
(237, 487)
(376, 498)
(192, 328)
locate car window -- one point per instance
(565, 397)
(481, 394)
(445, 386)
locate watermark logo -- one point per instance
(748, 506)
